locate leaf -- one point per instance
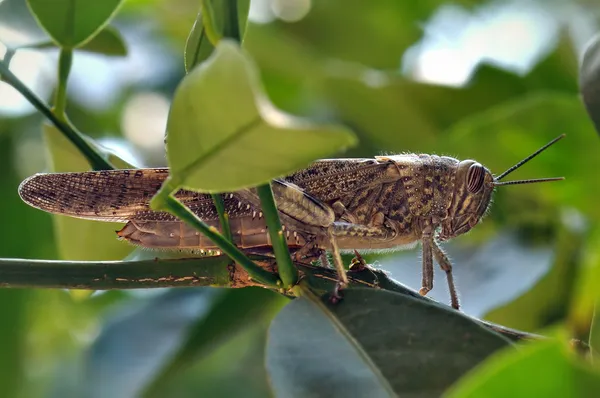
(80, 239)
(134, 345)
(224, 135)
(107, 42)
(541, 369)
(198, 47)
(589, 80)
(143, 351)
(71, 23)
(233, 313)
(547, 302)
(234, 368)
(373, 343)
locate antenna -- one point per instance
(527, 159)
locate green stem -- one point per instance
(107, 275)
(65, 61)
(287, 270)
(96, 160)
(223, 216)
(168, 203)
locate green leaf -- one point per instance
(542, 369)
(198, 47)
(107, 42)
(71, 23)
(548, 301)
(373, 343)
(233, 312)
(80, 239)
(235, 368)
(170, 335)
(224, 135)
(136, 343)
(589, 79)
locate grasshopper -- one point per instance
(386, 202)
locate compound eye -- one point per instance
(475, 177)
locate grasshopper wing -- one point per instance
(115, 195)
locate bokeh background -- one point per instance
(487, 80)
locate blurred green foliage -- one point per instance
(340, 63)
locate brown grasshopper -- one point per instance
(388, 202)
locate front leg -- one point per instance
(446, 265)
(427, 273)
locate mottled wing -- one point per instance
(331, 179)
(124, 195)
(116, 195)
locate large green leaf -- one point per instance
(80, 239)
(224, 135)
(543, 369)
(73, 22)
(372, 343)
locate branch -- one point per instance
(189, 272)
(95, 158)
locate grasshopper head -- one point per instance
(473, 189)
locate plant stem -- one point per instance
(164, 201)
(223, 216)
(107, 275)
(287, 270)
(65, 61)
(96, 160)
(190, 272)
